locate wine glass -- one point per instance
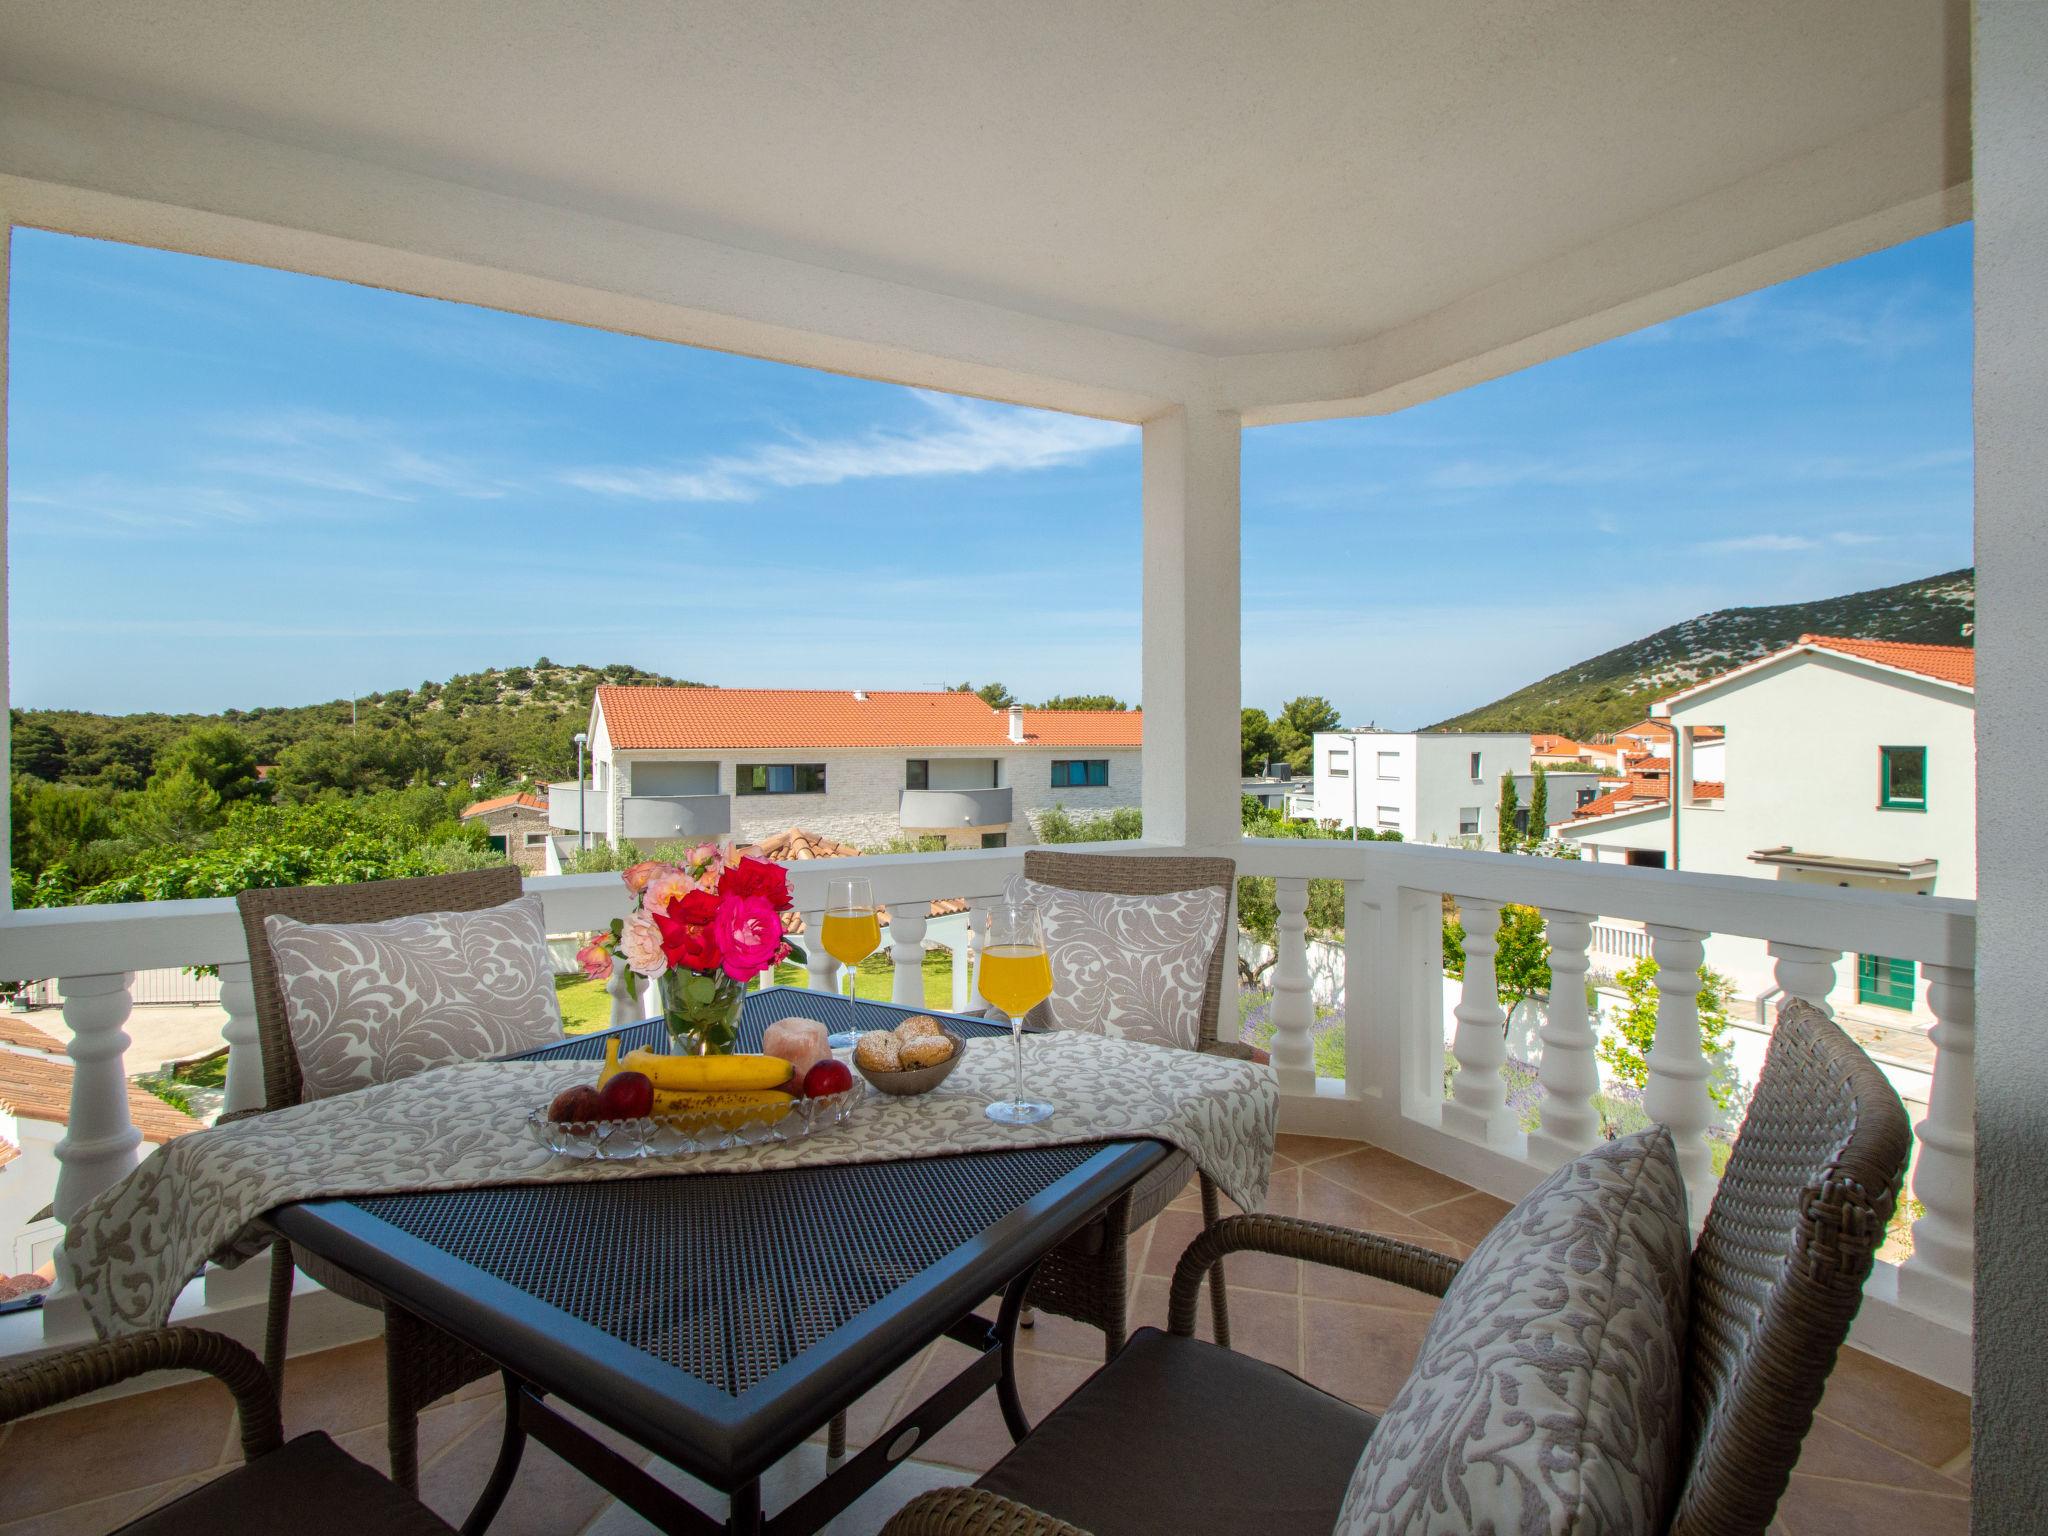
(1016, 976)
(852, 932)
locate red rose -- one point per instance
(690, 946)
(696, 907)
(757, 877)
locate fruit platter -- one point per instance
(650, 1104)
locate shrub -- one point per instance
(1626, 1049)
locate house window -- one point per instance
(1081, 773)
(1884, 981)
(498, 841)
(1476, 775)
(1646, 858)
(1902, 778)
(1390, 816)
(779, 778)
(1468, 821)
(995, 839)
(1340, 765)
(1522, 820)
(917, 773)
(1390, 765)
(536, 839)
(1587, 797)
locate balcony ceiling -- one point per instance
(1206, 175)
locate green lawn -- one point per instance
(587, 1006)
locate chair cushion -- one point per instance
(373, 1002)
(1177, 1435)
(309, 1487)
(1547, 1397)
(1132, 966)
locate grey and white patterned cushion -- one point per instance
(1546, 1400)
(373, 1002)
(1134, 967)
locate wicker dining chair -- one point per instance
(422, 1363)
(1087, 1277)
(308, 1485)
(1777, 1275)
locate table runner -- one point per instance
(203, 1196)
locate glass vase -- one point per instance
(702, 1010)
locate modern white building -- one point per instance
(1432, 786)
(861, 767)
(1839, 762)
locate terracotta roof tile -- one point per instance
(8, 1153)
(35, 1089)
(1545, 745)
(795, 845)
(17, 1031)
(1945, 663)
(484, 807)
(684, 719)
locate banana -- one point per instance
(611, 1066)
(731, 1109)
(707, 1074)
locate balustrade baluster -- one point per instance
(906, 952)
(977, 925)
(823, 969)
(1569, 1073)
(1294, 1011)
(1478, 1106)
(245, 1041)
(1807, 974)
(1677, 1096)
(1938, 1273)
(100, 1140)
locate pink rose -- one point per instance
(640, 943)
(640, 874)
(669, 885)
(749, 936)
(596, 958)
(704, 857)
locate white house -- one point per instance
(860, 767)
(1835, 762)
(1432, 786)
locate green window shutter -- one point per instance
(1884, 981)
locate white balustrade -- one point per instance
(100, 1141)
(907, 920)
(244, 1039)
(822, 969)
(1805, 973)
(977, 927)
(1677, 1096)
(1478, 1106)
(1294, 1009)
(1569, 1073)
(1944, 1174)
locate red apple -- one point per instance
(579, 1103)
(627, 1096)
(827, 1077)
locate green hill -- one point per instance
(1615, 689)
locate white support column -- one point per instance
(1569, 1073)
(1677, 1097)
(823, 969)
(907, 921)
(1936, 1278)
(1193, 724)
(1294, 1009)
(100, 1141)
(1807, 974)
(963, 966)
(1478, 1107)
(245, 1041)
(977, 924)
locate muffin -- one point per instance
(921, 1026)
(924, 1051)
(877, 1051)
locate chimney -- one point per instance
(860, 696)
(1017, 722)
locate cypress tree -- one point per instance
(1510, 802)
(1539, 808)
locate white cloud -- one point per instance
(963, 437)
(356, 456)
(1881, 323)
(1593, 467)
(1786, 543)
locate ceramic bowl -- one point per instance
(915, 1080)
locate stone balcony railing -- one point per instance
(664, 818)
(1392, 1091)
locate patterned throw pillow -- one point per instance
(1546, 1399)
(373, 1002)
(1130, 966)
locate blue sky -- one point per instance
(230, 487)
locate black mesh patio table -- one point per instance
(720, 1319)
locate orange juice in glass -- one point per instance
(1015, 975)
(851, 931)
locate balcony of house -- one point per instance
(664, 818)
(954, 810)
(573, 807)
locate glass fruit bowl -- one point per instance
(712, 1131)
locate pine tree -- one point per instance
(1539, 809)
(1510, 802)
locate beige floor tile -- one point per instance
(96, 1516)
(548, 1498)
(1835, 1451)
(1332, 1284)
(1361, 1354)
(1174, 1230)
(1263, 1325)
(1391, 1181)
(1339, 1204)
(141, 1441)
(977, 1439)
(1817, 1506)
(1924, 1419)
(1310, 1149)
(440, 1427)
(338, 1390)
(1467, 1219)
(1055, 1335)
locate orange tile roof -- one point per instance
(1640, 792)
(36, 1089)
(8, 1153)
(485, 807)
(639, 718)
(1545, 745)
(1945, 663)
(19, 1032)
(795, 845)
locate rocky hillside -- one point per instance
(1615, 689)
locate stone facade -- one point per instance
(521, 829)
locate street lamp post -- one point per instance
(582, 837)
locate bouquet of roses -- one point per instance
(701, 930)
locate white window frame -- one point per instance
(1389, 816)
(1339, 764)
(1473, 830)
(1478, 769)
(1390, 760)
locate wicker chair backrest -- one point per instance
(1778, 1271)
(372, 901)
(1137, 874)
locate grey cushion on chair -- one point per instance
(1180, 1435)
(1548, 1397)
